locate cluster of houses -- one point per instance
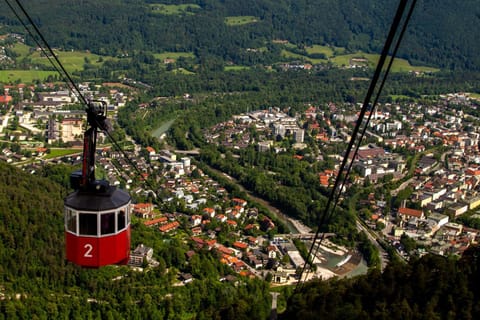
(246, 249)
(443, 188)
(41, 111)
(270, 125)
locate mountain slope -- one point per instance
(441, 33)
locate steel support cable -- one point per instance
(48, 56)
(67, 77)
(51, 51)
(379, 91)
(135, 167)
(387, 70)
(326, 213)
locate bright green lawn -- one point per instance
(61, 152)
(174, 9)
(21, 49)
(71, 60)
(25, 76)
(399, 65)
(327, 51)
(288, 54)
(336, 56)
(240, 20)
(236, 68)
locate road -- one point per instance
(5, 119)
(274, 313)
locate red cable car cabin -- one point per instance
(97, 227)
(97, 215)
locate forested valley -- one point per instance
(37, 282)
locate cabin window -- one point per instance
(121, 220)
(71, 221)
(107, 223)
(88, 224)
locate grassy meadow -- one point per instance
(240, 20)
(173, 55)
(338, 57)
(25, 76)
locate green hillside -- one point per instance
(441, 34)
(37, 283)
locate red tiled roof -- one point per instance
(160, 220)
(240, 245)
(169, 226)
(410, 212)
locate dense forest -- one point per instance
(441, 34)
(432, 287)
(37, 283)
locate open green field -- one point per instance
(173, 55)
(71, 60)
(399, 65)
(288, 54)
(327, 51)
(25, 76)
(61, 152)
(337, 56)
(235, 68)
(240, 20)
(174, 9)
(21, 49)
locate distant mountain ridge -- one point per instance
(441, 33)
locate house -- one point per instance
(232, 223)
(407, 213)
(239, 202)
(169, 227)
(280, 276)
(195, 220)
(209, 211)
(140, 254)
(267, 224)
(143, 210)
(240, 245)
(186, 277)
(221, 217)
(150, 151)
(272, 252)
(457, 209)
(154, 222)
(255, 262)
(196, 231)
(224, 250)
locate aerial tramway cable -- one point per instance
(64, 72)
(344, 171)
(66, 76)
(97, 215)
